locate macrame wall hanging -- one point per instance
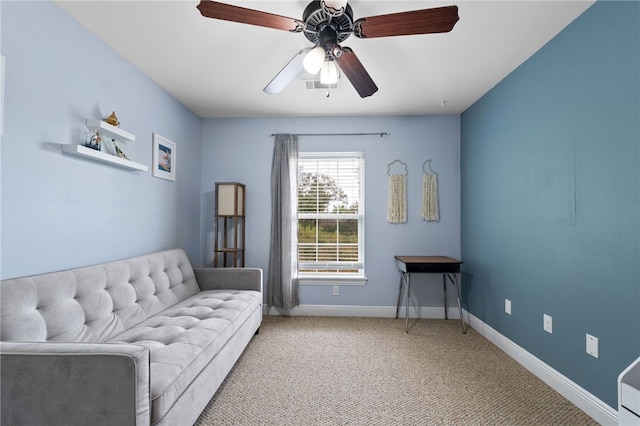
(397, 211)
(430, 209)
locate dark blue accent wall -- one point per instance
(550, 199)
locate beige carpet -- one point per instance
(368, 371)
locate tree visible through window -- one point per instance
(330, 214)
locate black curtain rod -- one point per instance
(381, 134)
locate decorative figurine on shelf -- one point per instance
(93, 140)
(119, 152)
(112, 119)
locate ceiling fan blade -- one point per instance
(425, 21)
(356, 73)
(287, 74)
(228, 12)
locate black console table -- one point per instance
(442, 265)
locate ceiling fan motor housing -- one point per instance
(320, 26)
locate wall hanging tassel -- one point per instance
(430, 209)
(397, 211)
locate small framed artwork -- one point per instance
(164, 158)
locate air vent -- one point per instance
(316, 85)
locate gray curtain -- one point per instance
(282, 280)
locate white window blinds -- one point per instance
(331, 213)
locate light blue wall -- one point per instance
(550, 196)
(241, 150)
(61, 211)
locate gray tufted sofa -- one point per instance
(141, 341)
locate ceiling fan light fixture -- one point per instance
(314, 60)
(334, 7)
(329, 72)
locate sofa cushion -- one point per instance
(184, 338)
(94, 303)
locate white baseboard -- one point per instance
(364, 311)
(581, 398)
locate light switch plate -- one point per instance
(592, 345)
(547, 323)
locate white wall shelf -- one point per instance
(111, 132)
(85, 152)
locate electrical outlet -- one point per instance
(507, 306)
(336, 290)
(548, 323)
(592, 345)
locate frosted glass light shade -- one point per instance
(314, 60)
(229, 199)
(329, 73)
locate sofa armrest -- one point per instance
(74, 383)
(229, 278)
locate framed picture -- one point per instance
(164, 158)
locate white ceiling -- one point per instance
(218, 68)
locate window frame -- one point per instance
(336, 278)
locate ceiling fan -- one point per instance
(327, 23)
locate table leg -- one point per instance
(399, 295)
(406, 320)
(444, 289)
(454, 281)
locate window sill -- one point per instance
(331, 280)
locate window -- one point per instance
(331, 218)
